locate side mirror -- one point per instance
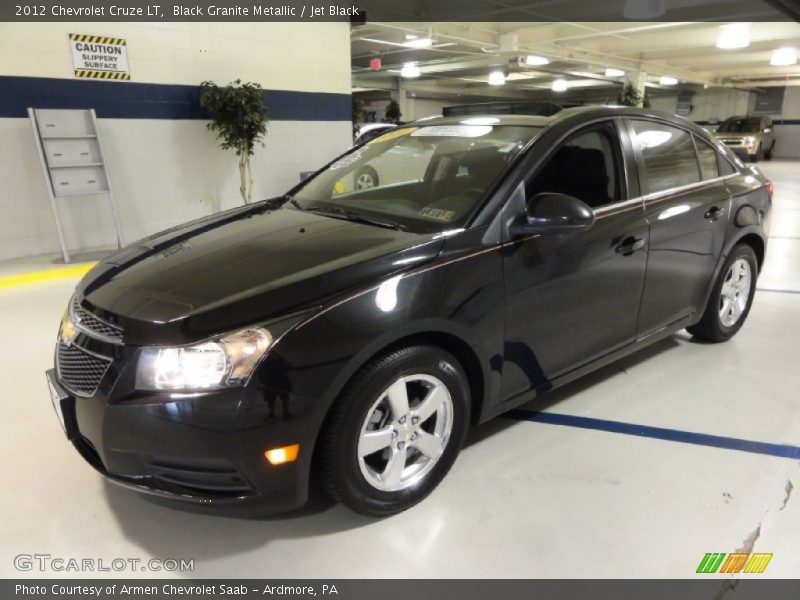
(768, 130)
(550, 213)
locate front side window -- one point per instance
(669, 157)
(424, 179)
(586, 166)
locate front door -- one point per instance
(574, 297)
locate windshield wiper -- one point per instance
(349, 215)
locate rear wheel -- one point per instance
(366, 178)
(396, 431)
(731, 297)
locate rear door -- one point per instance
(687, 206)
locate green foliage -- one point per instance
(359, 111)
(393, 113)
(238, 114)
(629, 96)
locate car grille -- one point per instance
(79, 370)
(93, 325)
(731, 141)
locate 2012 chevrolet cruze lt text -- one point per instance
(353, 332)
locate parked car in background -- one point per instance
(367, 131)
(361, 331)
(749, 137)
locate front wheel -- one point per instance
(396, 430)
(769, 153)
(731, 297)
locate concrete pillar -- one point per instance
(638, 79)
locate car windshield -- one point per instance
(423, 179)
(741, 125)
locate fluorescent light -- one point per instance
(612, 72)
(559, 85)
(413, 41)
(535, 60)
(667, 80)
(497, 78)
(409, 70)
(733, 36)
(784, 57)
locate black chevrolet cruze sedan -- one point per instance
(352, 333)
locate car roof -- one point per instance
(575, 114)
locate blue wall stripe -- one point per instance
(659, 433)
(131, 100)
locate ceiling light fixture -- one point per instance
(534, 60)
(612, 72)
(413, 41)
(733, 36)
(559, 85)
(409, 70)
(497, 78)
(667, 80)
(784, 57)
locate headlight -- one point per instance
(224, 362)
(749, 140)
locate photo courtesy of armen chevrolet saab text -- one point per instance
(350, 332)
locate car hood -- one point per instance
(243, 267)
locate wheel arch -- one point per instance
(449, 341)
(756, 242)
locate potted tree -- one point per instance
(239, 117)
(393, 111)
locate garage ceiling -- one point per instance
(462, 55)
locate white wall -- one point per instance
(710, 104)
(787, 136)
(721, 103)
(167, 171)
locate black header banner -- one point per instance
(360, 11)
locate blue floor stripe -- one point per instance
(659, 433)
(778, 291)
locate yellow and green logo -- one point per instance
(736, 562)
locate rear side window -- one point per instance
(669, 156)
(709, 167)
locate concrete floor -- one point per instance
(525, 499)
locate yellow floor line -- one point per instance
(66, 272)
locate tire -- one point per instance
(365, 178)
(728, 306)
(769, 153)
(364, 471)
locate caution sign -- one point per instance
(99, 57)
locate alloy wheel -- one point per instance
(405, 432)
(364, 181)
(735, 292)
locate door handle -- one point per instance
(714, 213)
(630, 245)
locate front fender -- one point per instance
(457, 298)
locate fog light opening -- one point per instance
(282, 455)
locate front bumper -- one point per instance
(743, 150)
(205, 448)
